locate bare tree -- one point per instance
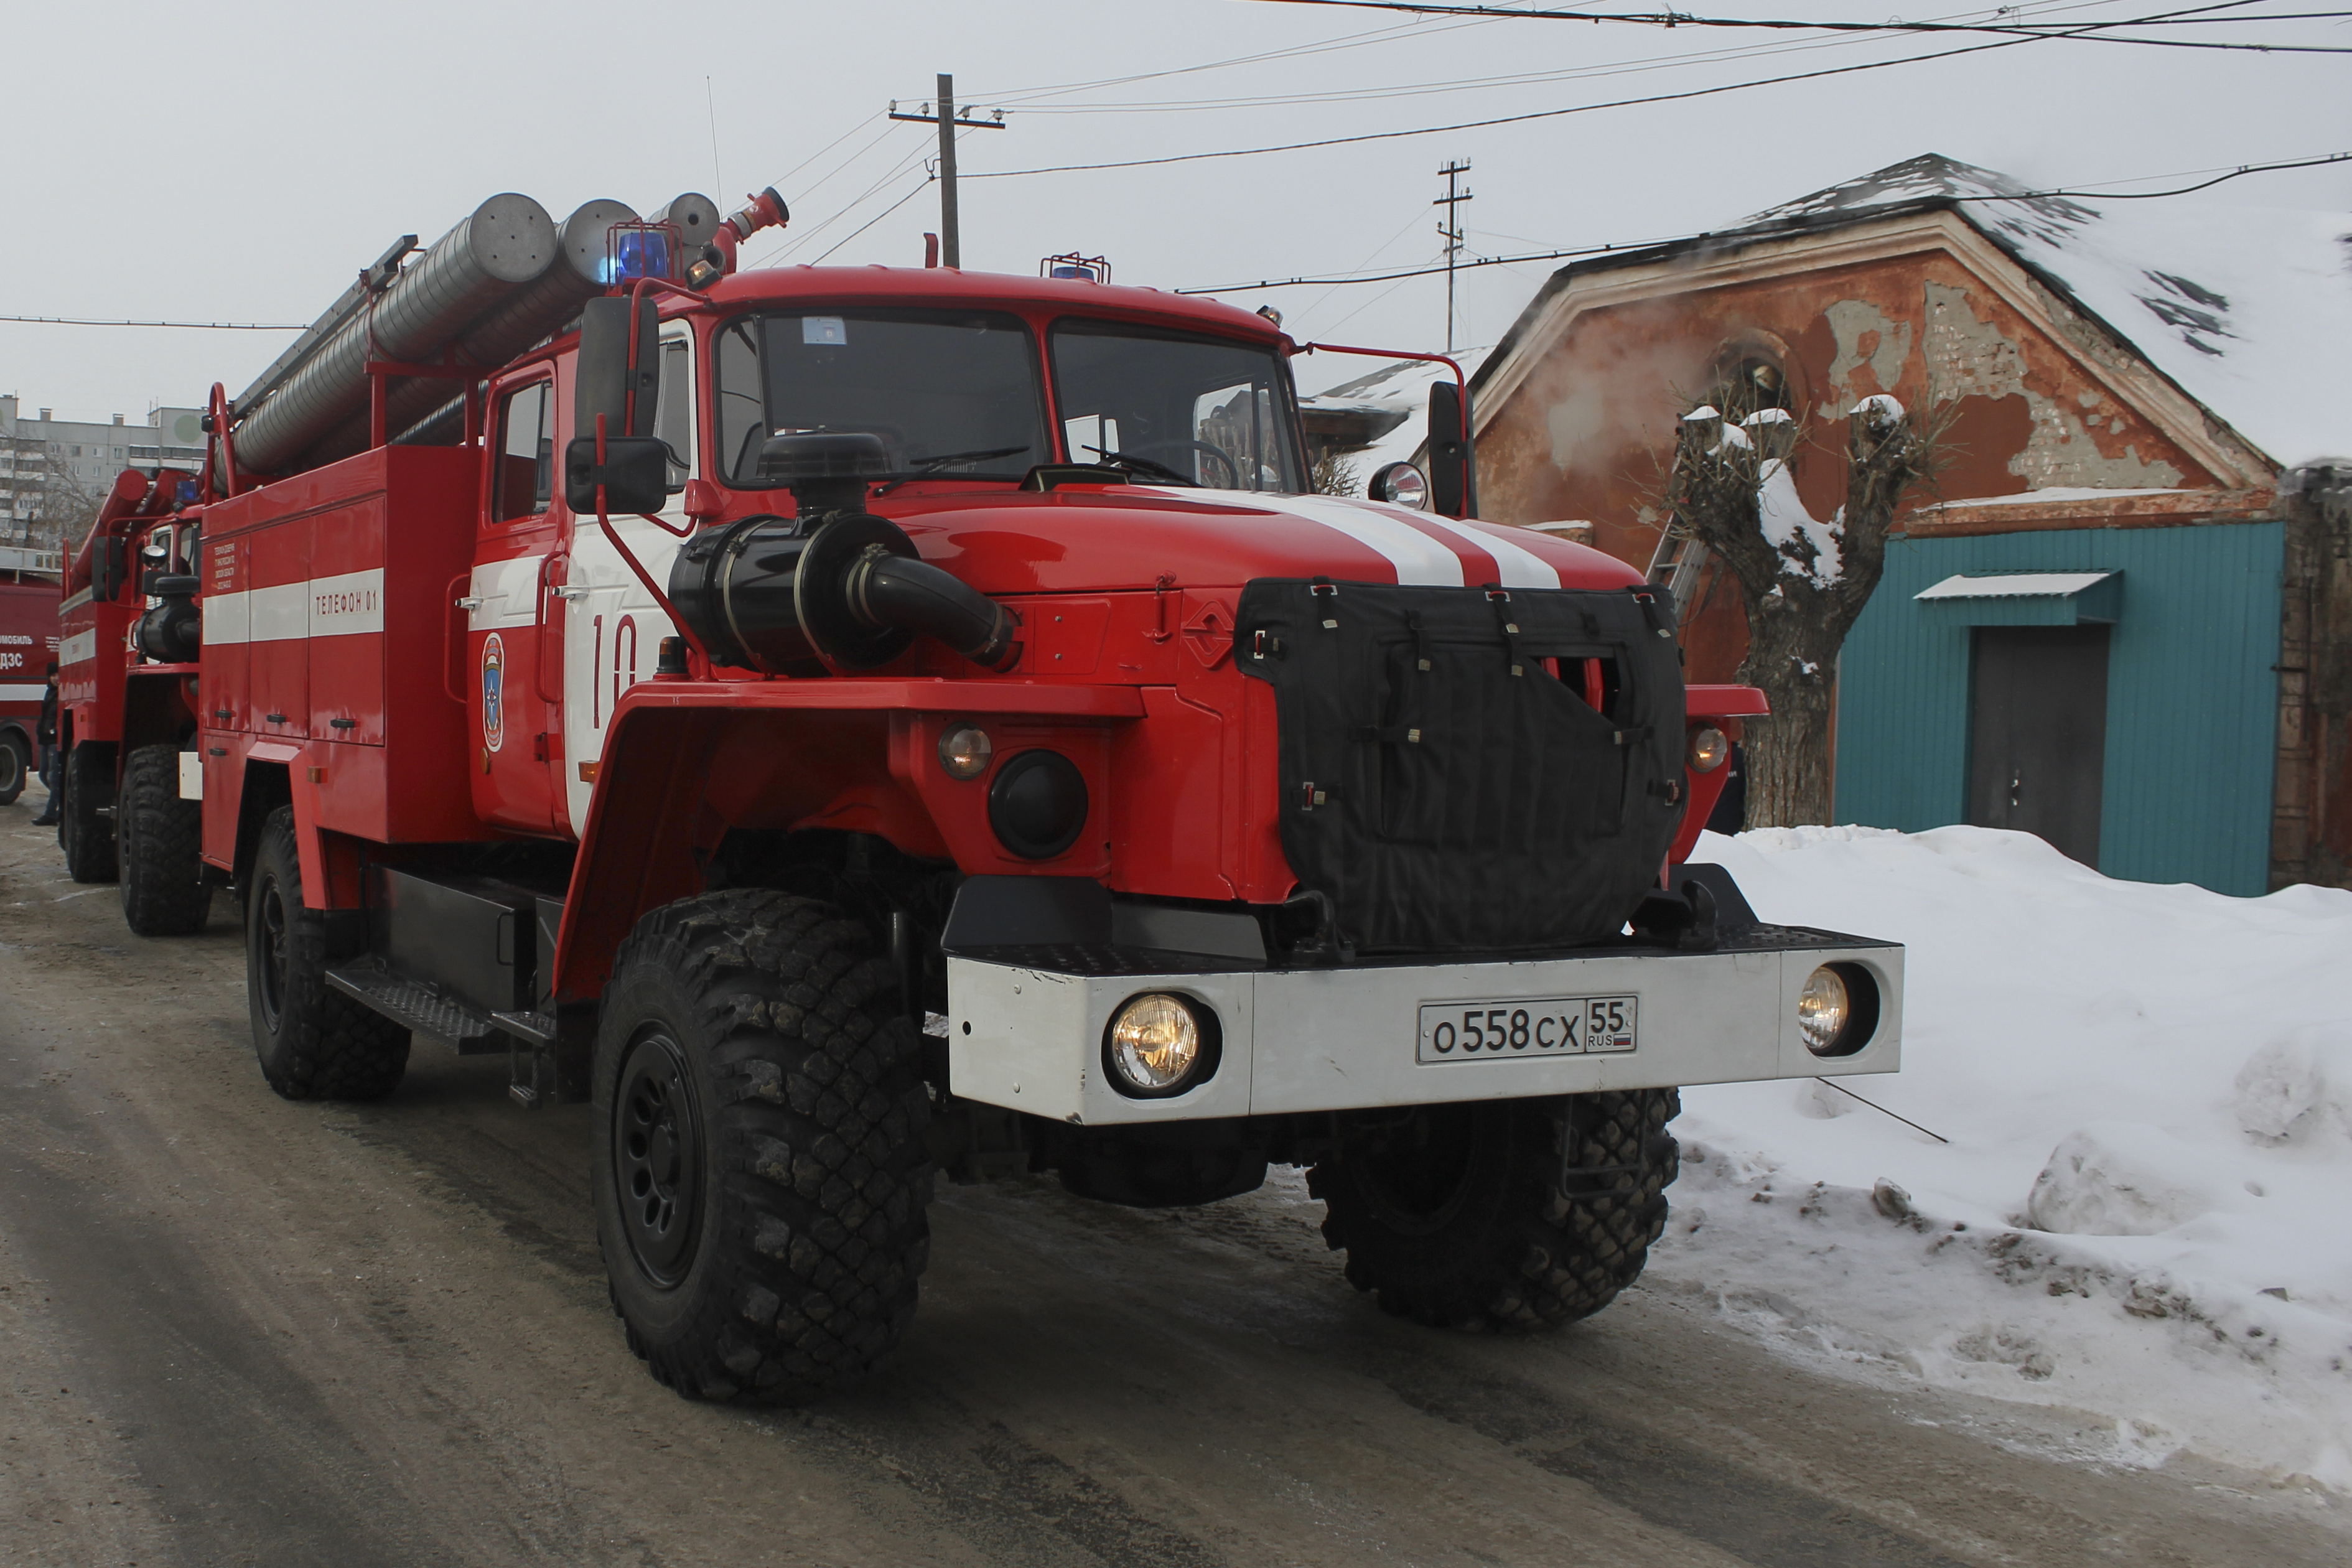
(67, 506)
(1334, 474)
(1804, 581)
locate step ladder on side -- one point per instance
(1676, 565)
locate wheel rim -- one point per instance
(1417, 1178)
(270, 920)
(657, 1157)
(12, 768)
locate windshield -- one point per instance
(1203, 411)
(953, 393)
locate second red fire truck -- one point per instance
(849, 725)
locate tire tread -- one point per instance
(819, 1120)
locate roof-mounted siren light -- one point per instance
(643, 248)
(716, 259)
(1077, 267)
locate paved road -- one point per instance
(233, 1329)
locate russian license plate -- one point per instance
(1506, 1031)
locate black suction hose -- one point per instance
(887, 590)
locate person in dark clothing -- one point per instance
(45, 733)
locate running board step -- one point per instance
(419, 1008)
(532, 1029)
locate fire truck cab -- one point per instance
(854, 725)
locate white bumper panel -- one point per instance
(1338, 1039)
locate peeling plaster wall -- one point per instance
(1588, 432)
(1968, 356)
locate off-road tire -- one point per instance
(776, 1227)
(16, 767)
(314, 1042)
(162, 847)
(85, 834)
(1512, 1215)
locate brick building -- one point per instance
(2123, 617)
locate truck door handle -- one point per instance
(554, 568)
(570, 591)
(451, 635)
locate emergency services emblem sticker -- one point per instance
(494, 719)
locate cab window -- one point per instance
(676, 414)
(525, 476)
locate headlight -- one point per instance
(1837, 1013)
(1160, 1045)
(965, 752)
(1708, 747)
(1037, 805)
(1400, 484)
(1822, 1010)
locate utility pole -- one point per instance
(950, 243)
(1452, 229)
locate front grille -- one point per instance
(1464, 768)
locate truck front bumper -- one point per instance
(1026, 1025)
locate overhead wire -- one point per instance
(1678, 19)
(928, 180)
(184, 326)
(1570, 253)
(1684, 96)
(1729, 52)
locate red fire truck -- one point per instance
(28, 641)
(851, 724)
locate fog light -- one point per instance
(1160, 1045)
(965, 752)
(1823, 1010)
(1708, 747)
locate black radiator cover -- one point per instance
(1444, 803)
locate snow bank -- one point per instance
(2144, 1208)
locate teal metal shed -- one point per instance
(2183, 627)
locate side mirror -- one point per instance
(602, 380)
(1452, 466)
(635, 474)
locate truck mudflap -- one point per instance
(1031, 1002)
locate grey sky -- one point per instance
(240, 162)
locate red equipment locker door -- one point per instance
(222, 687)
(346, 609)
(277, 567)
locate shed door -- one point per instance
(2038, 735)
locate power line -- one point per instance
(2032, 30)
(1638, 66)
(186, 326)
(1389, 33)
(1552, 113)
(1339, 281)
(878, 217)
(2181, 191)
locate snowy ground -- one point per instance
(2144, 1210)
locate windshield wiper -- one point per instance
(926, 466)
(1144, 465)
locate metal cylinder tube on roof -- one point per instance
(507, 241)
(524, 318)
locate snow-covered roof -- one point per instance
(2249, 310)
(1400, 386)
